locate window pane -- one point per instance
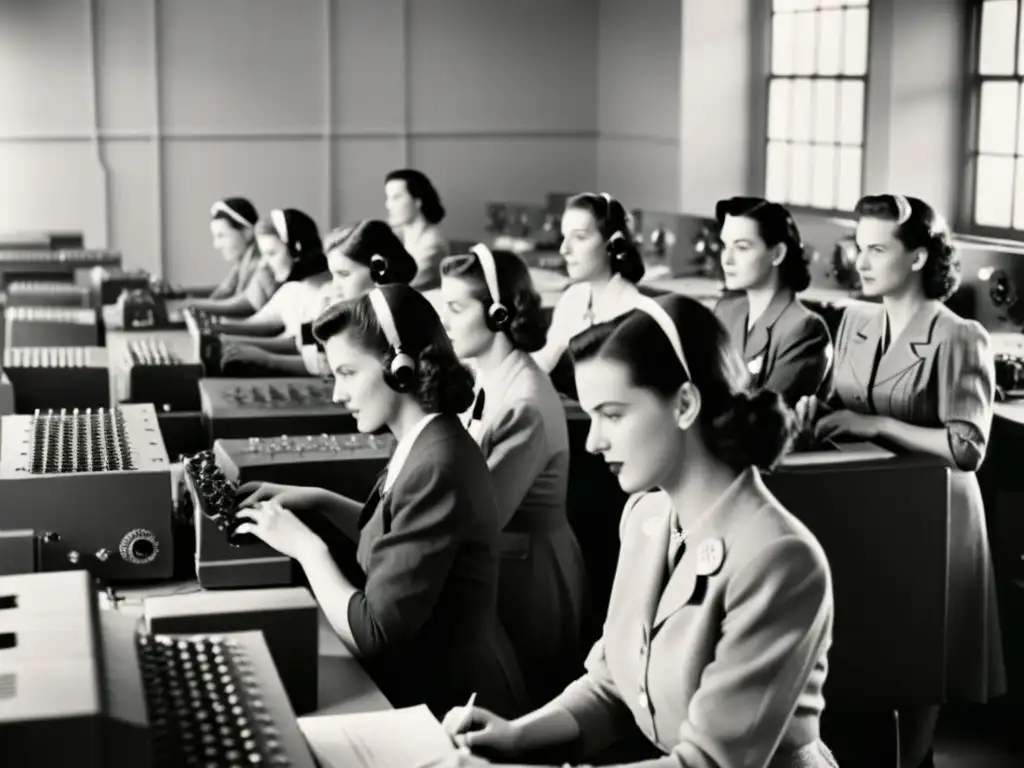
(833, 3)
(998, 30)
(783, 5)
(779, 95)
(997, 121)
(800, 112)
(848, 189)
(855, 43)
(830, 41)
(1020, 124)
(993, 190)
(824, 181)
(851, 112)
(856, 2)
(776, 179)
(804, 5)
(1018, 199)
(825, 111)
(803, 46)
(800, 174)
(782, 44)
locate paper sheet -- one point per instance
(396, 738)
(842, 453)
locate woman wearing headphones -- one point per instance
(290, 243)
(424, 624)
(787, 348)
(720, 620)
(359, 257)
(604, 265)
(494, 317)
(250, 283)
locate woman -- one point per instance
(250, 283)
(493, 316)
(786, 347)
(290, 243)
(424, 623)
(911, 373)
(720, 619)
(604, 265)
(415, 211)
(359, 257)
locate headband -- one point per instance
(221, 207)
(385, 319)
(657, 313)
(490, 270)
(280, 222)
(903, 209)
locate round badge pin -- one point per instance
(710, 555)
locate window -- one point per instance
(998, 200)
(816, 97)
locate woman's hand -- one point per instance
(481, 730)
(838, 423)
(279, 528)
(294, 497)
(233, 352)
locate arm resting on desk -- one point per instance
(332, 590)
(234, 306)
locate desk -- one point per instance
(344, 687)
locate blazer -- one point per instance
(429, 250)
(938, 373)
(788, 350)
(425, 622)
(722, 665)
(524, 435)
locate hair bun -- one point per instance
(444, 384)
(755, 430)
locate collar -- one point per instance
(617, 298)
(403, 449)
(496, 383)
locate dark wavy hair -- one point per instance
(443, 384)
(365, 239)
(611, 218)
(243, 207)
(304, 243)
(742, 428)
(421, 188)
(775, 225)
(527, 328)
(926, 229)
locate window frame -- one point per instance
(770, 76)
(972, 126)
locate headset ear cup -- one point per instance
(378, 269)
(499, 317)
(400, 375)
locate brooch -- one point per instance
(710, 554)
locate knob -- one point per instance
(103, 555)
(73, 557)
(1000, 288)
(139, 547)
(49, 537)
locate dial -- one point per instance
(139, 547)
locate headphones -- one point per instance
(379, 269)
(400, 375)
(498, 315)
(657, 313)
(617, 244)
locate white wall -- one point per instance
(126, 118)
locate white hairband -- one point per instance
(280, 222)
(221, 207)
(657, 313)
(490, 270)
(385, 319)
(903, 209)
